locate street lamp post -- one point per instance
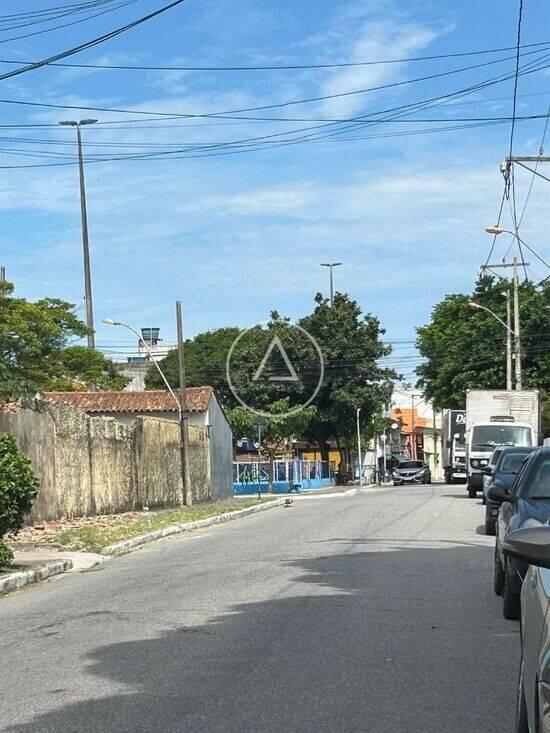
(509, 335)
(359, 449)
(85, 244)
(331, 266)
(181, 415)
(496, 230)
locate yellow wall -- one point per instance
(333, 455)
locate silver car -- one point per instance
(532, 545)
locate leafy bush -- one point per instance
(18, 488)
(6, 555)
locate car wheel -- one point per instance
(511, 608)
(522, 720)
(483, 499)
(498, 580)
(472, 492)
(490, 528)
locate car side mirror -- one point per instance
(531, 545)
(487, 470)
(500, 494)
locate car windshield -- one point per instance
(538, 483)
(410, 464)
(488, 436)
(511, 462)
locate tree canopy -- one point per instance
(465, 348)
(34, 351)
(351, 344)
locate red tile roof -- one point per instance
(134, 402)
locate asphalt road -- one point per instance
(356, 613)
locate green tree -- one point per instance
(205, 358)
(33, 348)
(465, 348)
(278, 429)
(80, 365)
(352, 346)
(18, 489)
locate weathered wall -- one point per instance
(35, 434)
(97, 465)
(221, 452)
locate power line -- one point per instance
(92, 43)
(281, 67)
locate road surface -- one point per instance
(371, 613)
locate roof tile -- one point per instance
(132, 402)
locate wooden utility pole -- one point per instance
(184, 426)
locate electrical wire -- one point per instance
(281, 67)
(93, 42)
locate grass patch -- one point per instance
(95, 536)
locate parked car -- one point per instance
(411, 472)
(531, 548)
(526, 504)
(488, 471)
(503, 474)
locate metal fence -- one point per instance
(287, 475)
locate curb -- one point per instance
(120, 548)
(20, 579)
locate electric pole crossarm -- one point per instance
(529, 159)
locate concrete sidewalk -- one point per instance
(31, 567)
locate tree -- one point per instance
(18, 489)
(82, 367)
(205, 357)
(352, 347)
(277, 430)
(465, 348)
(33, 348)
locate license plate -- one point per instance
(459, 475)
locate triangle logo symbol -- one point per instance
(290, 377)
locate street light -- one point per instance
(182, 420)
(112, 322)
(495, 230)
(510, 334)
(85, 244)
(331, 265)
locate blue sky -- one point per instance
(235, 236)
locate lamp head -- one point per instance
(110, 322)
(494, 230)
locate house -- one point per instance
(203, 410)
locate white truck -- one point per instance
(497, 417)
(454, 446)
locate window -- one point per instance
(487, 436)
(410, 464)
(538, 484)
(511, 462)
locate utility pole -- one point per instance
(517, 326)
(85, 243)
(508, 342)
(413, 436)
(517, 334)
(331, 266)
(184, 425)
(359, 449)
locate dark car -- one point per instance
(502, 474)
(531, 548)
(526, 504)
(411, 472)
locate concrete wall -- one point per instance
(97, 465)
(221, 451)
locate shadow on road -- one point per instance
(373, 640)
